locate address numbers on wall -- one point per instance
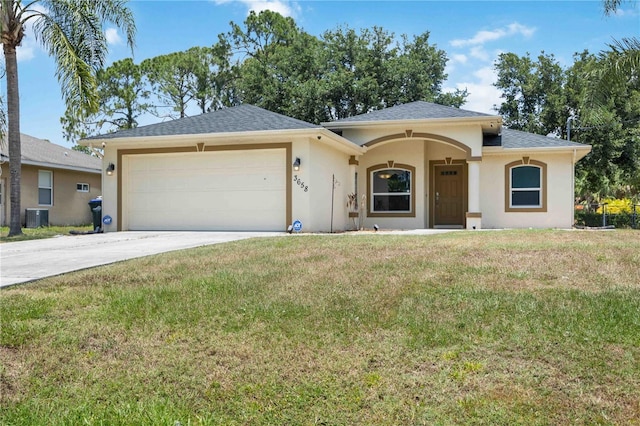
(300, 183)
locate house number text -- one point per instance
(300, 183)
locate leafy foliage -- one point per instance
(123, 98)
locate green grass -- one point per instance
(40, 233)
(507, 327)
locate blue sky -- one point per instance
(473, 33)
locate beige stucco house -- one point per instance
(412, 166)
(54, 179)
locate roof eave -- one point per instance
(61, 166)
(196, 136)
(312, 132)
(583, 150)
(345, 144)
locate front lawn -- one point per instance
(504, 327)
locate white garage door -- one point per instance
(219, 190)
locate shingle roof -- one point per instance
(412, 111)
(42, 151)
(243, 118)
(512, 139)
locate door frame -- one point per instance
(433, 166)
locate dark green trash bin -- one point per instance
(96, 212)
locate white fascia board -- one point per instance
(580, 151)
(199, 137)
(60, 166)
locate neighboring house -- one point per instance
(53, 178)
(418, 165)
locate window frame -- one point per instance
(525, 162)
(412, 190)
(50, 188)
(80, 187)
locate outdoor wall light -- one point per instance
(110, 169)
(296, 164)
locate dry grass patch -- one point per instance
(509, 327)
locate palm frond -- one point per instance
(72, 33)
(619, 66)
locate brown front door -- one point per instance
(448, 196)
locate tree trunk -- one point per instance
(13, 134)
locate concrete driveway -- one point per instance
(25, 261)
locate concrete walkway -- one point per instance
(25, 261)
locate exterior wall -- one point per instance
(560, 193)
(469, 135)
(325, 164)
(70, 207)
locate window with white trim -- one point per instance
(45, 188)
(391, 191)
(526, 186)
(82, 187)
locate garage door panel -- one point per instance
(226, 190)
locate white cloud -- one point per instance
(625, 12)
(112, 36)
(483, 95)
(458, 59)
(478, 52)
(283, 7)
(482, 37)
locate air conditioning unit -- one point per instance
(37, 218)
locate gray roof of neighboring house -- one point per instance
(43, 152)
(243, 118)
(512, 139)
(412, 111)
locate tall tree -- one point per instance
(212, 76)
(71, 31)
(532, 93)
(123, 97)
(611, 127)
(172, 78)
(344, 73)
(281, 66)
(418, 73)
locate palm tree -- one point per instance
(71, 31)
(624, 61)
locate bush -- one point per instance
(619, 220)
(617, 205)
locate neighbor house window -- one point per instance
(391, 190)
(45, 188)
(526, 186)
(82, 187)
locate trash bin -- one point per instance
(96, 212)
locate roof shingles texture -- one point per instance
(42, 151)
(412, 111)
(243, 118)
(516, 139)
